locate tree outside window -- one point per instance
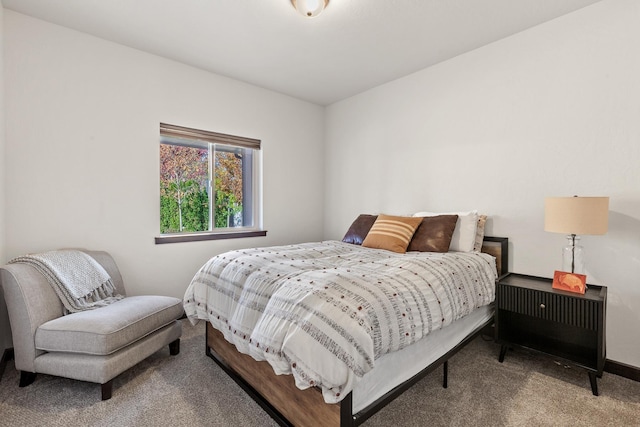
(184, 178)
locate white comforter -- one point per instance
(325, 311)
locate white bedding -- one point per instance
(327, 312)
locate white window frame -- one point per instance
(180, 135)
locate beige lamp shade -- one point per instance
(576, 215)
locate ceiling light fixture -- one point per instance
(310, 8)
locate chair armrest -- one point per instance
(30, 301)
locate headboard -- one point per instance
(499, 248)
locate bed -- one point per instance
(327, 333)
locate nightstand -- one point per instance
(568, 325)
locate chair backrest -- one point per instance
(31, 301)
(110, 266)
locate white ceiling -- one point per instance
(351, 47)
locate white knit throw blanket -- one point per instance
(80, 281)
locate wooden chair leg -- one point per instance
(174, 347)
(26, 378)
(107, 388)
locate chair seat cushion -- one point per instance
(106, 330)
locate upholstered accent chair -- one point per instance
(93, 345)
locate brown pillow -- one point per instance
(392, 233)
(434, 234)
(359, 229)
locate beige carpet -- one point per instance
(190, 390)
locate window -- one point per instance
(209, 186)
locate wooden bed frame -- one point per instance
(288, 405)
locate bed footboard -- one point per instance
(277, 394)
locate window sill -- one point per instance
(197, 237)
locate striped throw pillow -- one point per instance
(392, 233)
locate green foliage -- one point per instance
(195, 210)
(169, 220)
(226, 209)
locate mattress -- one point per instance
(393, 369)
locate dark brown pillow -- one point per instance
(434, 234)
(359, 229)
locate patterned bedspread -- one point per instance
(326, 311)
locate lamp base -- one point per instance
(573, 256)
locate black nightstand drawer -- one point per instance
(564, 309)
(530, 313)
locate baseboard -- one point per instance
(622, 369)
(6, 356)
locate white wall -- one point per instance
(5, 330)
(552, 111)
(82, 151)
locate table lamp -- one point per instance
(572, 216)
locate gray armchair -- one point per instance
(92, 345)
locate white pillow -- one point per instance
(464, 235)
